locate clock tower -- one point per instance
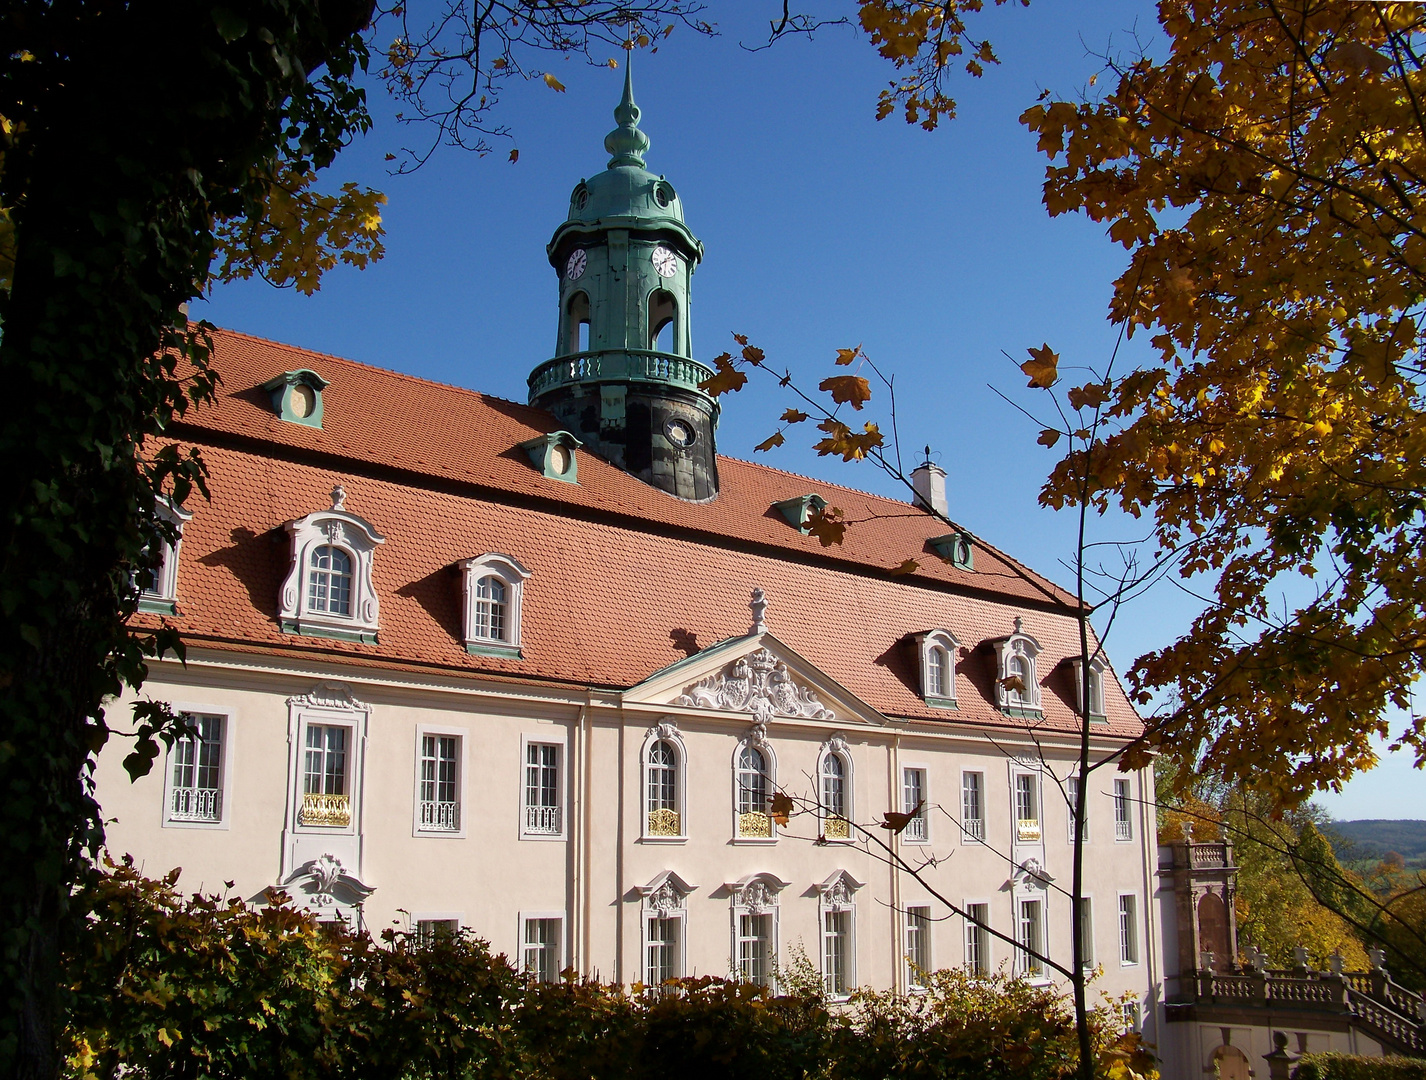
(623, 378)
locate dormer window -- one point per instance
(328, 591)
(1097, 670)
(798, 511)
(937, 650)
(494, 585)
(160, 596)
(1017, 686)
(297, 396)
(956, 548)
(553, 455)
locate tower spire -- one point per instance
(626, 142)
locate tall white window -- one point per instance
(1128, 929)
(836, 952)
(918, 946)
(662, 949)
(491, 611)
(973, 805)
(977, 939)
(1030, 934)
(753, 792)
(543, 804)
(1027, 808)
(1072, 797)
(663, 795)
(835, 809)
(755, 945)
(1123, 811)
(440, 783)
(936, 672)
(913, 801)
(429, 931)
(329, 583)
(1086, 931)
(326, 799)
(542, 948)
(196, 780)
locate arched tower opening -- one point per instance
(663, 321)
(576, 324)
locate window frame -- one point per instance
(225, 754)
(982, 936)
(770, 778)
(358, 539)
(665, 732)
(919, 926)
(355, 720)
(1098, 669)
(927, 644)
(968, 836)
(771, 888)
(1022, 833)
(161, 596)
(1071, 782)
(1130, 945)
(923, 835)
(416, 918)
(651, 911)
(1026, 965)
(837, 896)
(1127, 803)
(462, 737)
(561, 742)
(1018, 646)
(513, 576)
(836, 748)
(561, 945)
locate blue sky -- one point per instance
(822, 229)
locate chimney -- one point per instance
(928, 480)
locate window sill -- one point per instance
(543, 836)
(210, 826)
(306, 628)
(156, 605)
(494, 648)
(1128, 963)
(754, 840)
(663, 839)
(1123, 839)
(1023, 712)
(439, 834)
(917, 840)
(968, 838)
(942, 703)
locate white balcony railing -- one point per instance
(543, 820)
(440, 816)
(975, 828)
(1123, 829)
(197, 804)
(916, 828)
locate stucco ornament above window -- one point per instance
(328, 591)
(323, 883)
(759, 684)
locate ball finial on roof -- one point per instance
(758, 605)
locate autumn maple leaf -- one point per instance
(1042, 367)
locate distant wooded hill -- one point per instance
(1372, 839)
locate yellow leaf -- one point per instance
(553, 83)
(908, 566)
(726, 380)
(850, 390)
(775, 439)
(846, 356)
(1042, 367)
(612, 62)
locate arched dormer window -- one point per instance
(835, 773)
(663, 756)
(576, 323)
(753, 782)
(1097, 669)
(663, 321)
(1017, 683)
(937, 651)
(328, 591)
(160, 595)
(494, 588)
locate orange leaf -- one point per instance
(826, 527)
(727, 380)
(1042, 367)
(793, 416)
(1091, 396)
(781, 808)
(846, 356)
(850, 390)
(775, 439)
(514, 155)
(741, 339)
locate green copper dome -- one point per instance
(626, 194)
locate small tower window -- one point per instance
(663, 321)
(576, 323)
(330, 583)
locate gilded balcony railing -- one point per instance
(664, 822)
(334, 811)
(835, 828)
(754, 824)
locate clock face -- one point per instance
(665, 261)
(576, 264)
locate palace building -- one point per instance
(539, 669)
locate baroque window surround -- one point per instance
(327, 705)
(756, 895)
(1016, 655)
(225, 766)
(161, 597)
(652, 828)
(836, 828)
(1030, 882)
(512, 575)
(665, 897)
(461, 735)
(1097, 670)
(1027, 808)
(836, 895)
(942, 645)
(348, 533)
(756, 832)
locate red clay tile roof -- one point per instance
(626, 579)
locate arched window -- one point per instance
(576, 323)
(1018, 673)
(753, 790)
(664, 818)
(834, 797)
(491, 615)
(936, 671)
(329, 584)
(1017, 684)
(663, 321)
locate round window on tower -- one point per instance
(680, 432)
(580, 199)
(663, 193)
